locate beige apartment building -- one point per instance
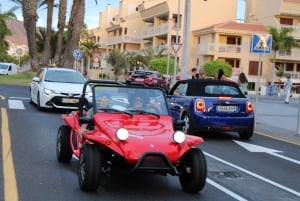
(213, 33)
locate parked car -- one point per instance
(148, 78)
(56, 87)
(123, 139)
(8, 68)
(210, 106)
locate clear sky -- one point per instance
(91, 13)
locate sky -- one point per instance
(91, 13)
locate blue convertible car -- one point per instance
(211, 105)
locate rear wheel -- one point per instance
(246, 134)
(90, 165)
(193, 171)
(188, 127)
(63, 146)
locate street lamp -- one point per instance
(177, 35)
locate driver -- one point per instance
(139, 103)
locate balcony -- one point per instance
(296, 30)
(124, 39)
(211, 48)
(292, 55)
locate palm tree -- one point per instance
(281, 40)
(30, 17)
(61, 26)
(74, 30)
(150, 53)
(89, 48)
(118, 60)
(47, 47)
(4, 31)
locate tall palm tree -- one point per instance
(30, 17)
(281, 40)
(61, 26)
(118, 60)
(47, 47)
(74, 30)
(4, 31)
(89, 48)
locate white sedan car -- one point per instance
(55, 87)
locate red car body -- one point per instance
(150, 146)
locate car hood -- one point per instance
(140, 125)
(64, 87)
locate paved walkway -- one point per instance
(276, 118)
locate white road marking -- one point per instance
(22, 98)
(16, 104)
(255, 175)
(273, 152)
(225, 190)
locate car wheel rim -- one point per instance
(185, 128)
(58, 145)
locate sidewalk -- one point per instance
(275, 118)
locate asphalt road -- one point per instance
(263, 168)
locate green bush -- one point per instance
(211, 68)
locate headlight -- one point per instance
(122, 134)
(179, 136)
(47, 91)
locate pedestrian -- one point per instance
(287, 89)
(243, 83)
(202, 73)
(195, 75)
(221, 76)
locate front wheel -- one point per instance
(63, 145)
(90, 165)
(193, 171)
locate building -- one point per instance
(282, 14)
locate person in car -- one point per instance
(140, 103)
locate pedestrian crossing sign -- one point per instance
(261, 44)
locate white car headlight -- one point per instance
(47, 91)
(122, 134)
(178, 136)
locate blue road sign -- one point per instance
(261, 44)
(77, 54)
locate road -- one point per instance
(263, 168)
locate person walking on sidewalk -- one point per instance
(287, 89)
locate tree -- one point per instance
(150, 53)
(281, 40)
(47, 47)
(30, 17)
(61, 26)
(159, 64)
(74, 30)
(4, 31)
(118, 60)
(89, 48)
(211, 68)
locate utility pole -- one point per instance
(177, 41)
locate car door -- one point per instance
(177, 100)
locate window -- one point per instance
(253, 68)
(289, 67)
(286, 21)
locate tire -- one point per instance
(193, 171)
(90, 165)
(246, 134)
(38, 103)
(188, 128)
(63, 145)
(30, 97)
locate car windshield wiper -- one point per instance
(116, 110)
(144, 112)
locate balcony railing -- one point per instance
(296, 29)
(293, 54)
(210, 48)
(124, 39)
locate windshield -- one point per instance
(141, 100)
(65, 76)
(3, 66)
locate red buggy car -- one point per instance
(115, 134)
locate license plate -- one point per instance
(226, 108)
(70, 100)
(139, 79)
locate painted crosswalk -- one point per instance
(15, 103)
